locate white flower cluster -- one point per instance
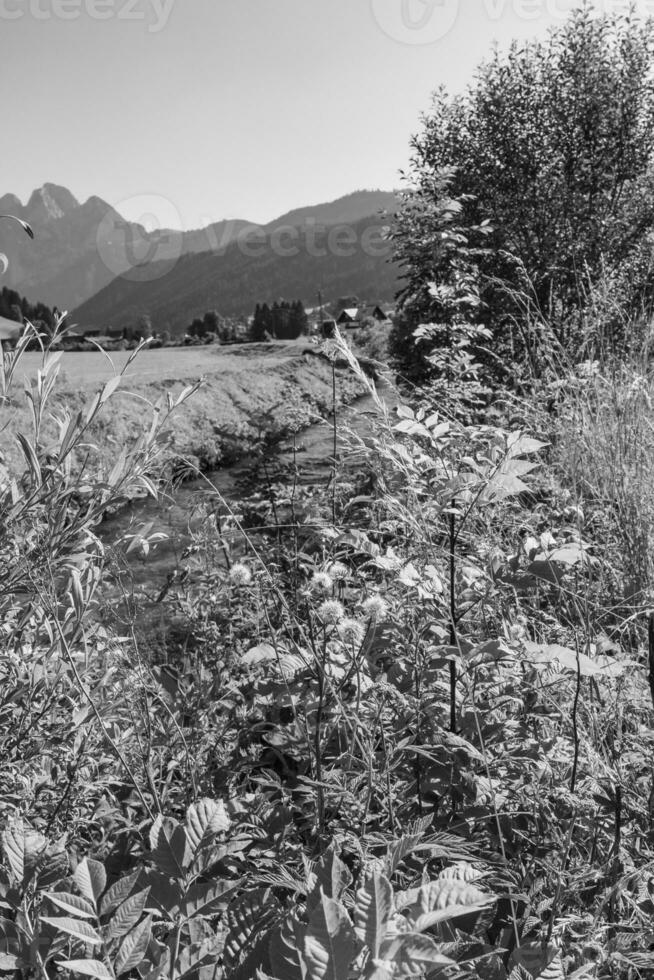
(331, 612)
(240, 575)
(322, 582)
(375, 607)
(351, 631)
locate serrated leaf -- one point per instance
(436, 916)
(554, 970)
(250, 913)
(204, 821)
(443, 894)
(410, 951)
(372, 910)
(13, 843)
(461, 871)
(329, 945)
(399, 850)
(208, 897)
(118, 893)
(520, 973)
(169, 846)
(285, 950)
(91, 879)
(127, 915)
(538, 961)
(72, 904)
(133, 947)
(54, 869)
(88, 968)
(333, 874)
(73, 927)
(191, 958)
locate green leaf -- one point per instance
(329, 946)
(444, 894)
(73, 927)
(249, 914)
(72, 904)
(546, 653)
(118, 892)
(88, 968)
(191, 958)
(133, 947)
(91, 879)
(207, 898)
(285, 949)
(110, 388)
(13, 843)
(23, 848)
(519, 444)
(263, 653)
(169, 845)
(165, 894)
(372, 910)
(333, 875)
(53, 869)
(127, 915)
(204, 821)
(410, 951)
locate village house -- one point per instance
(356, 316)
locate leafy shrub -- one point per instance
(552, 146)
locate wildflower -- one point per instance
(322, 582)
(331, 611)
(338, 571)
(375, 607)
(351, 631)
(517, 630)
(240, 575)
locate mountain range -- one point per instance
(88, 258)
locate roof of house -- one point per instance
(361, 312)
(9, 329)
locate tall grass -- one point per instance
(605, 452)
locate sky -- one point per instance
(183, 112)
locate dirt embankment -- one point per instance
(250, 394)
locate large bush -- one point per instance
(552, 145)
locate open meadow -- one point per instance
(166, 364)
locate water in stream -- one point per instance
(175, 515)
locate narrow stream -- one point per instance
(177, 514)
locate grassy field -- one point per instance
(250, 392)
(94, 367)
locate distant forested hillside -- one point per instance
(341, 260)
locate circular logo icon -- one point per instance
(140, 239)
(416, 21)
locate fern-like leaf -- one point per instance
(329, 946)
(373, 908)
